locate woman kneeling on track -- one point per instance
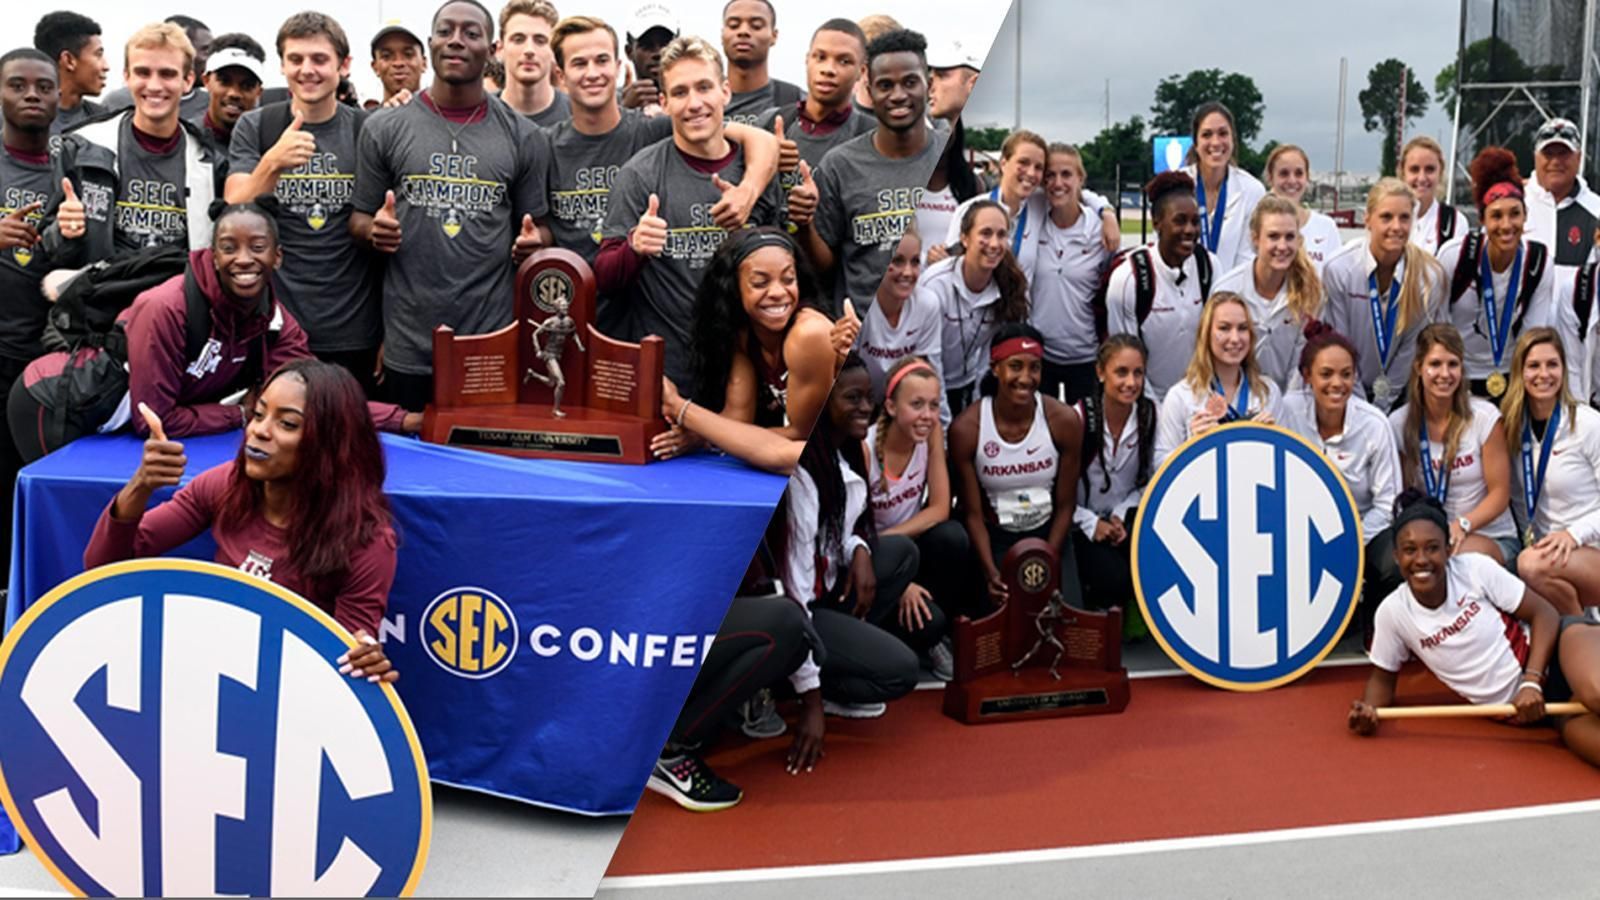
(1528, 655)
(302, 504)
(911, 500)
(1015, 454)
(1554, 443)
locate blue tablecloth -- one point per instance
(616, 576)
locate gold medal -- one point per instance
(1496, 385)
(1527, 536)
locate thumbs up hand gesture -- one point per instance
(161, 466)
(16, 231)
(529, 239)
(386, 226)
(844, 333)
(294, 147)
(69, 215)
(788, 151)
(803, 197)
(733, 210)
(649, 237)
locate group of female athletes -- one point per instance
(1028, 381)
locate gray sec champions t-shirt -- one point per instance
(459, 212)
(151, 208)
(326, 276)
(866, 203)
(582, 169)
(661, 301)
(22, 307)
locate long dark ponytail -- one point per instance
(1094, 418)
(820, 460)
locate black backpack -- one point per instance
(1444, 227)
(1144, 285)
(1583, 299)
(85, 314)
(1466, 273)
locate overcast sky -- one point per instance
(362, 18)
(1290, 49)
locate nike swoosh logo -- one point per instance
(240, 359)
(1032, 450)
(681, 784)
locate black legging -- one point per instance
(1079, 379)
(1107, 568)
(1382, 578)
(761, 640)
(943, 565)
(874, 660)
(26, 417)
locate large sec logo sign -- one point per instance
(179, 728)
(1247, 556)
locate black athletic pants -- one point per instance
(411, 393)
(360, 363)
(1079, 379)
(874, 660)
(762, 639)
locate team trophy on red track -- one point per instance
(1036, 657)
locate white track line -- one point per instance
(1097, 851)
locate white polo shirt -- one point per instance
(1425, 227)
(1113, 476)
(1467, 485)
(1066, 276)
(1349, 311)
(1280, 334)
(1183, 401)
(1570, 498)
(1469, 316)
(1169, 330)
(1321, 238)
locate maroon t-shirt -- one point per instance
(355, 598)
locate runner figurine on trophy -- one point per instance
(560, 326)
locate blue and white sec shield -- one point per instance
(1247, 556)
(180, 728)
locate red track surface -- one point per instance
(1184, 760)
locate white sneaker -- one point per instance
(758, 717)
(942, 661)
(854, 710)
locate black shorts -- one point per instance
(1556, 689)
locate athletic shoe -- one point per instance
(942, 661)
(689, 782)
(854, 710)
(758, 717)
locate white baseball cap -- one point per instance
(953, 54)
(651, 14)
(233, 56)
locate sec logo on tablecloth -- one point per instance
(1247, 556)
(179, 728)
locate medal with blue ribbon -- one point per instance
(1532, 479)
(1021, 225)
(1499, 321)
(1241, 402)
(1435, 480)
(1383, 331)
(1211, 225)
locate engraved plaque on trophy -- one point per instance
(1035, 657)
(548, 385)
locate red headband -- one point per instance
(1500, 191)
(1025, 346)
(894, 380)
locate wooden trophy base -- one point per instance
(1032, 694)
(534, 432)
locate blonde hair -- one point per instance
(538, 9)
(1057, 148)
(1272, 160)
(690, 47)
(1513, 406)
(1423, 272)
(1439, 334)
(1305, 288)
(875, 26)
(572, 26)
(1202, 369)
(886, 420)
(1421, 142)
(160, 36)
